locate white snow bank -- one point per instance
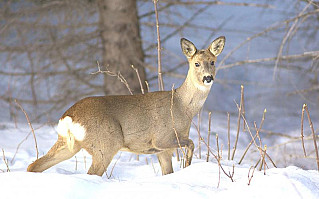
(138, 179)
(200, 180)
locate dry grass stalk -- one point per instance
(76, 163)
(238, 120)
(250, 176)
(258, 147)
(257, 163)
(30, 125)
(262, 159)
(228, 134)
(156, 172)
(258, 136)
(160, 78)
(253, 139)
(229, 175)
(84, 159)
(208, 135)
(111, 174)
(147, 86)
(199, 137)
(302, 136)
(217, 145)
(242, 101)
(177, 155)
(18, 147)
(139, 78)
(5, 161)
(219, 167)
(265, 164)
(313, 134)
(246, 150)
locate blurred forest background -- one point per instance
(51, 49)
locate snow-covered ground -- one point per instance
(128, 178)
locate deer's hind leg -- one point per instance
(58, 153)
(100, 162)
(103, 145)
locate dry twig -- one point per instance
(208, 135)
(302, 136)
(250, 176)
(313, 135)
(139, 78)
(228, 134)
(110, 73)
(217, 145)
(258, 147)
(229, 175)
(238, 120)
(109, 176)
(32, 130)
(5, 161)
(256, 135)
(199, 137)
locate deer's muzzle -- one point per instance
(208, 79)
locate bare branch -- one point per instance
(160, 78)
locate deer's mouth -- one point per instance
(207, 80)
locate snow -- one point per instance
(128, 178)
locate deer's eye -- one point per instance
(197, 64)
(212, 63)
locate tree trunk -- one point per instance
(122, 46)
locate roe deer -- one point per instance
(137, 123)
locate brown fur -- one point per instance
(138, 123)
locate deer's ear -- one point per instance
(217, 46)
(188, 48)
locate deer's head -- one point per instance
(202, 62)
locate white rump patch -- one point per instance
(69, 129)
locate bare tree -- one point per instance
(121, 43)
(48, 49)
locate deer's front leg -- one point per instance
(165, 160)
(189, 145)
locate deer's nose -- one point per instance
(208, 79)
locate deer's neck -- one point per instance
(192, 97)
